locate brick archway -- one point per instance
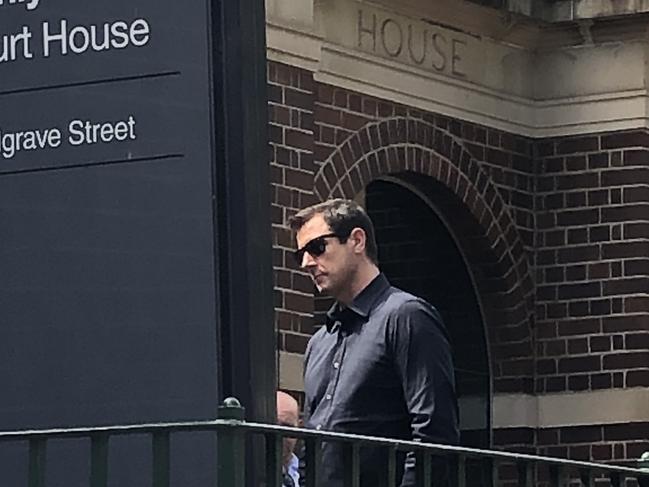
(486, 234)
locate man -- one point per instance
(382, 364)
(287, 415)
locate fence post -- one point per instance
(231, 453)
(643, 463)
(37, 461)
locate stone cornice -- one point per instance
(475, 63)
(293, 46)
(609, 406)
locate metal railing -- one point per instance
(232, 432)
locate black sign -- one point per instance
(135, 251)
(108, 305)
(132, 184)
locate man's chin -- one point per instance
(319, 284)
(321, 287)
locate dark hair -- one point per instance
(342, 216)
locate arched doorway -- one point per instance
(432, 163)
(419, 254)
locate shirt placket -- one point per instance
(336, 365)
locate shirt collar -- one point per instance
(360, 306)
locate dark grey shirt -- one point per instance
(380, 367)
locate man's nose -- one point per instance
(307, 260)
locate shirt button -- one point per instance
(318, 427)
(336, 365)
(328, 397)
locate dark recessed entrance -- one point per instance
(418, 254)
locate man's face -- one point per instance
(332, 270)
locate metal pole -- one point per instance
(231, 452)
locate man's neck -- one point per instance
(365, 275)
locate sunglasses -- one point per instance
(315, 247)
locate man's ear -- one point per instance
(358, 238)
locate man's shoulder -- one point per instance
(400, 304)
(398, 299)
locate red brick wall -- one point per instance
(592, 262)
(601, 443)
(290, 93)
(555, 232)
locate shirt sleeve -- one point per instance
(423, 361)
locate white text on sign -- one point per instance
(77, 133)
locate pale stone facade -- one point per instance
(475, 63)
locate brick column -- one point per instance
(593, 280)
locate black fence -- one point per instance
(471, 467)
